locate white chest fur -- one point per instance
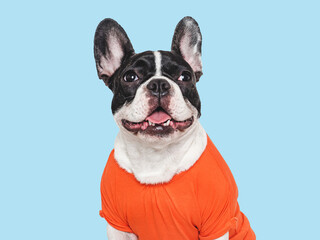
(158, 163)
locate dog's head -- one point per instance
(155, 96)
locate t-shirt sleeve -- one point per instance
(217, 223)
(109, 203)
(217, 213)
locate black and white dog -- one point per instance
(155, 104)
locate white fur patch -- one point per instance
(157, 59)
(181, 109)
(224, 237)
(153, 163)
(114, 234)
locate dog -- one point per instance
(164, 179)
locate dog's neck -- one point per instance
(155, 163)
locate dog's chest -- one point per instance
(170, 206)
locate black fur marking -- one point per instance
(172, 67)
(143, 64)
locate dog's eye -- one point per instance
(185, 76)
(130, 76)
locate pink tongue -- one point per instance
(158, 117)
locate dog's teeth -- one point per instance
(151, 123)
(166, 123)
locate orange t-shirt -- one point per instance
(200, 203)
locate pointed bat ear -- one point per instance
(111, 47)
(187, 42)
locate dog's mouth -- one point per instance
(159, 122)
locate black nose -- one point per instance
(159, 87)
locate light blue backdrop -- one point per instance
(259, 91)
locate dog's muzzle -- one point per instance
(158, 121)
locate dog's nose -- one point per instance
(159, 87)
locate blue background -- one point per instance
(260, 101)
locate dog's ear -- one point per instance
(111, 47)
(187, 43)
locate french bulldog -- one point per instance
(157, 108)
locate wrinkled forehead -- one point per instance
(157, 63)
(142, 63)
(173, 65)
